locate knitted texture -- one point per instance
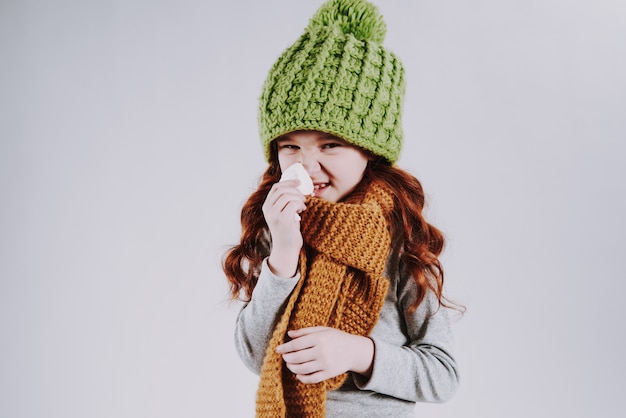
(341, 286)
(337, 78)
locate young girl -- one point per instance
(344, 312)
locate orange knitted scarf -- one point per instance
(341, 286)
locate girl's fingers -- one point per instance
(299, 357)
(287, 186)
(301, 339)
(284, 200)
(296, 333)
(303, 368)
(312, 378)
(281, 189)
(295, 345)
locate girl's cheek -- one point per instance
(285, 161)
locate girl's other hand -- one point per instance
(283, 202)
(318, 353)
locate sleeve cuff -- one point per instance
(270, 284)
(379, 378)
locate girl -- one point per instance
(345, 313)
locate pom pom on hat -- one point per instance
(337, 78)
(356, 17)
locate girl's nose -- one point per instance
(310, 163)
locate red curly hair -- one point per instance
(421, 243)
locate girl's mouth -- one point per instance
(318, 188)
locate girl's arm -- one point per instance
(257, 319)
(423, 368)
(280, 209)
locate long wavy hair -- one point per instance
(421, 243)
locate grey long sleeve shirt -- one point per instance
(413, 358)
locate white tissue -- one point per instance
(297, 171)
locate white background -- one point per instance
(128, 143)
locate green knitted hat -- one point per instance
(337, 78)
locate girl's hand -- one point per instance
(283, 202)
(318, 353)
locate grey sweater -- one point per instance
(413, 358)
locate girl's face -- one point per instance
(335, 166)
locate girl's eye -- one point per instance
(331, 145)
(289, 146)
